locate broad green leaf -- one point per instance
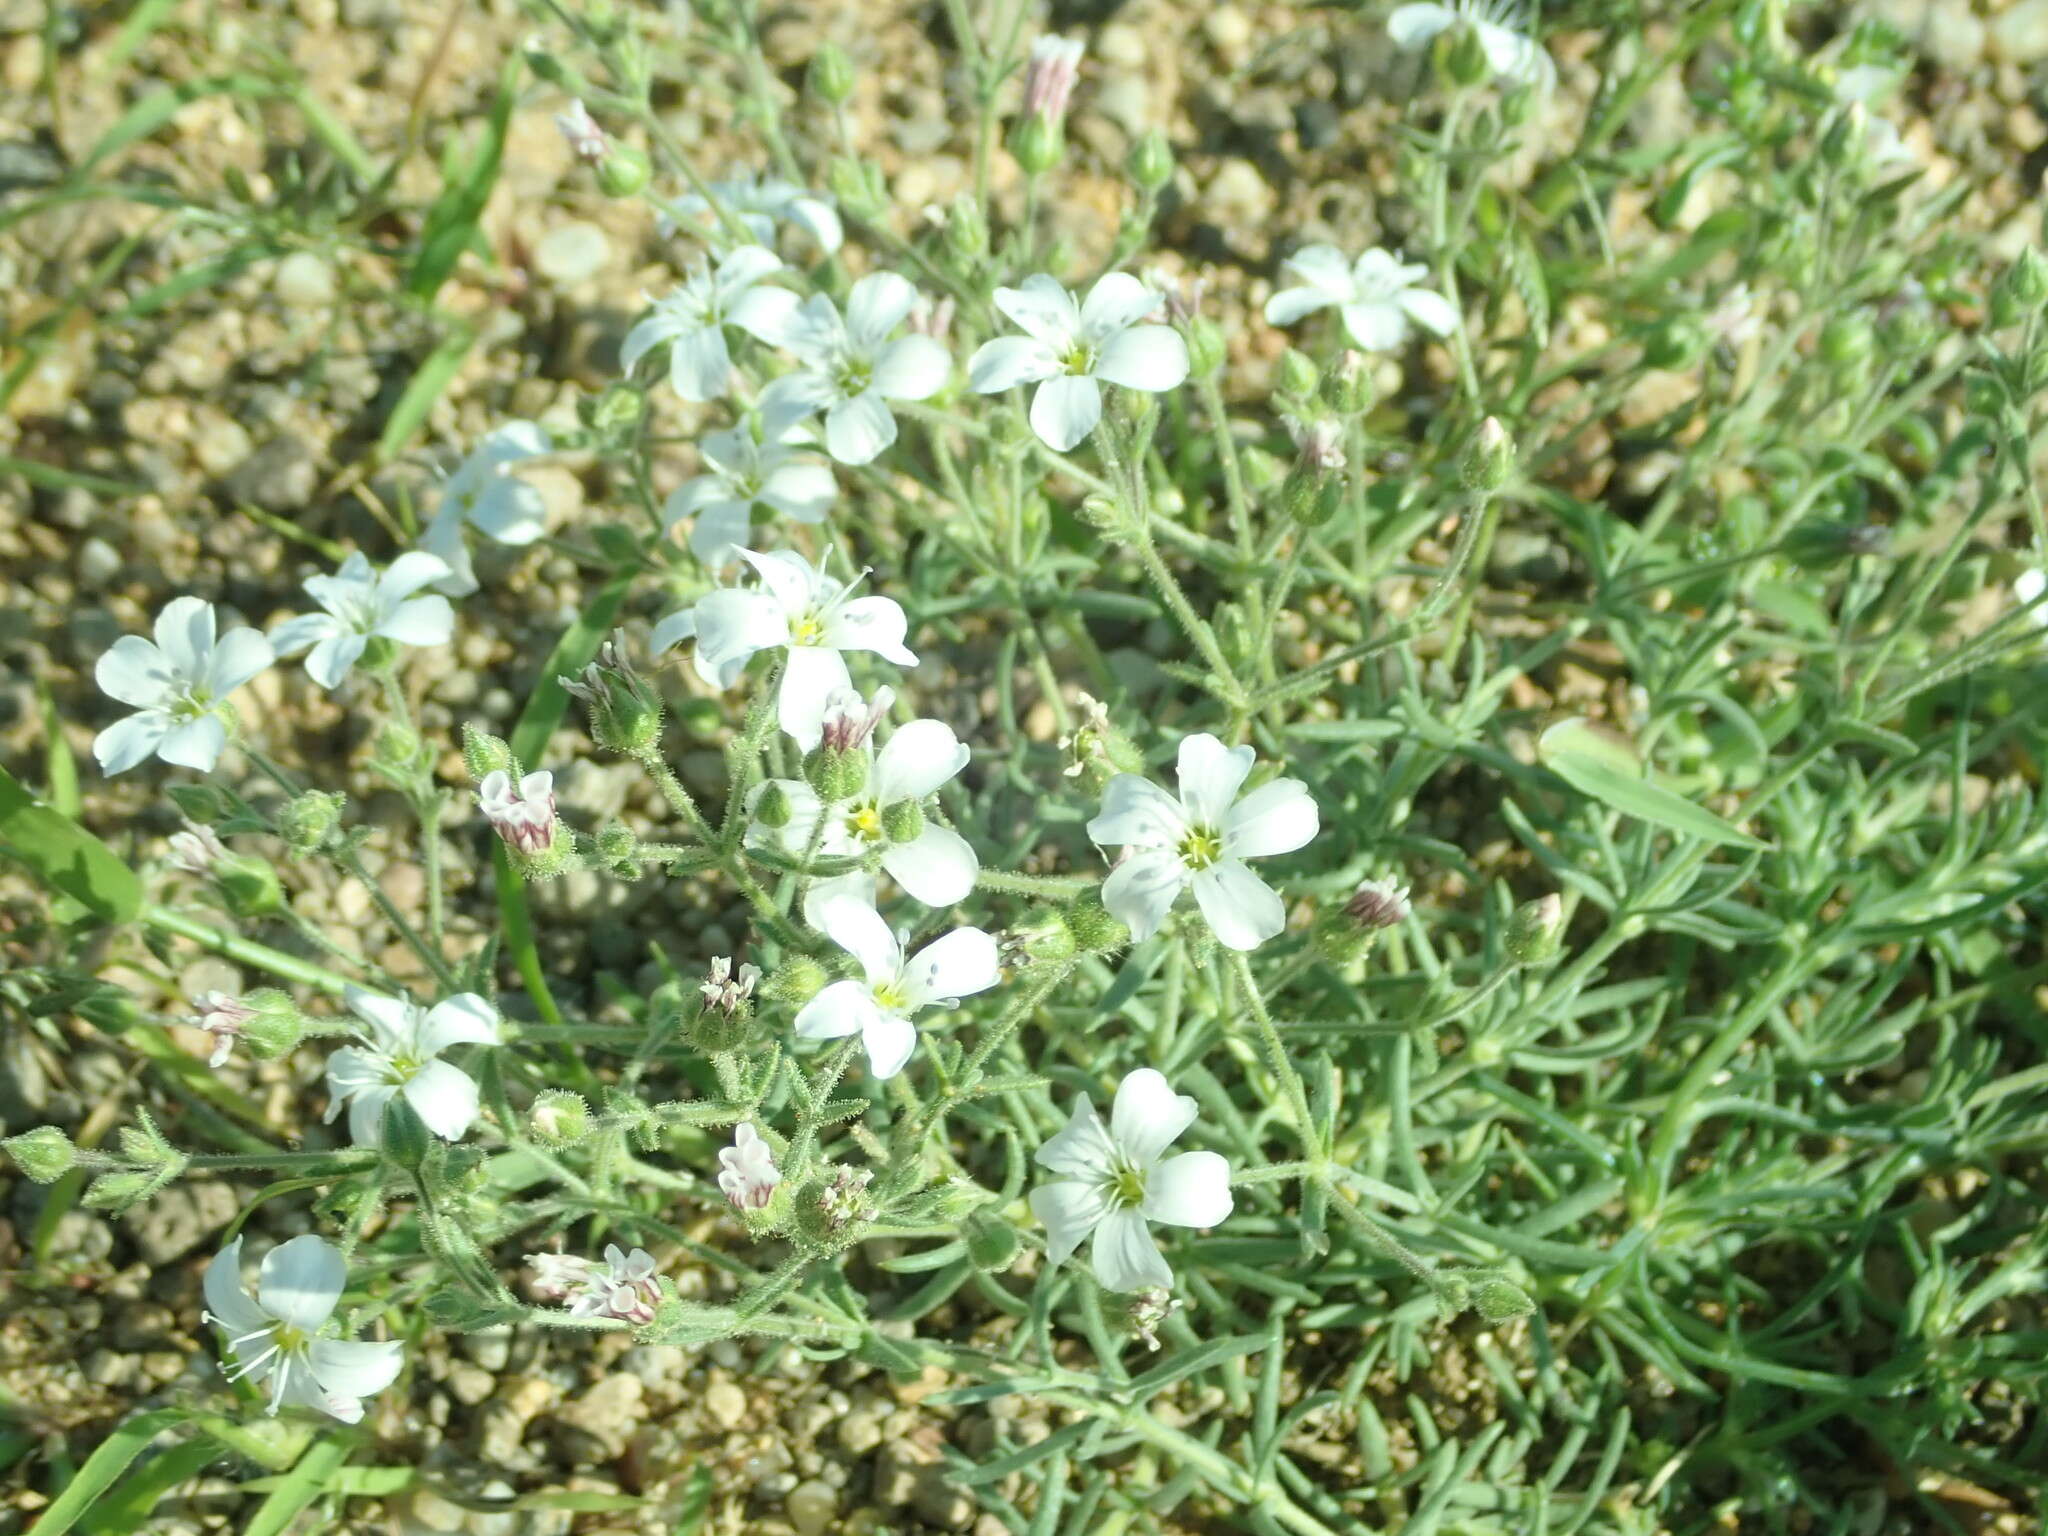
(64, 856)
(1597, 766)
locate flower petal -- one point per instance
(763, 313)
(809, 679)
(135, 672)
(230, 1304)
(699, 367)
(1081, 1148)
(1070, 1210)
(445, 1096)
(1125, 1257)
(860, 931)
(366, 1114)
(127, 742)
(1148, 1116)
(720, 531)
(731, 626)
(1432, 311)
(857, 430)
(1291, 304)
(241, 654)
(355, 1368)
(333, 658)
(300, 1281)
(1041, 308)
(464, 1019)
(510, 511)
(1192, 1190)
(937, 867)
(1377, 325)
(1210, 776)
(1149, 357)
(743, 266)
(195, 744)
(916, 760)
(1065, 410)
(954, 965)
(1009, 361)
(875, 307)
(1414, 26)
(392, 1020)
(1116, 302)
(844, 1008)
(296, 634)
(1140, 891)
(674, 630)
(888, 1039)
(1137, 811)
(912, 368)
(184, 633)
(420, 620)
(817, 218)
(1274, 818)
(408, 573)
(1243, 911)
(873, 624)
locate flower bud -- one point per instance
(1818, 543)
(1347, 387)
(1846, 340)
(118, 1191)
(992, 1243)
(771, 806)
(200, 804)
(837, 774)
(558, 1118)
(249, 886)
(1675, 342)
(1095, 931)
(859, 187)
(545, 65)
(1500, 1301)
(522, 813)
(1460, 58)
(1489, 458)
(1049, 76)
(623, 172)
(44, 1154)
(1310, 497)
(1296, 374)
(829, 76)
(399, 752)
(2021, 290)
(833, 1209)
(1041, 937)
(273, 1025)
(1205, 346)
(625, 713)
(1534, 931)
(1102, 513)
(309, 820)
(1038, 142)
(903, 821)
(403, 1134)
(616, 845)
(966, 229)
(795, 983)
(1150, 161)
(486, 754)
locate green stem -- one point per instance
(245, 951)
(1277, 1060)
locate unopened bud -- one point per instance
(992, 1243)
(44, 1154)
(486, 754)
(1489, 458)
(837, 774)
(966, 229)
(1206, 350)
(558, 1118)
(859, 187)
(1296, 375)
(794, 983)
(1675, 343)
(118, 1191)
(273, 1026)
(1347, 387)
(1500, 1301)
(1038, 143)
(771, 806)
(1150, 161)
(249, 886)
(1096, 931)
(623, 172)
(830, 76)
(2021, 290)
(903, 821)
(403, 1134)
(308, 820)
(1534, 931)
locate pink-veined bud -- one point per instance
(747, 1171)
(224, 1017)
(523, 814)
(849, 723)
(1049, 77)
(728, 990)
(196, 849)
(932, 317)
(587, 140)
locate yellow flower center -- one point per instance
(865, 824)
(890, 995)
(808, 630)
(1201, 847)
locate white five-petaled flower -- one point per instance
(586, 140)
(1202, 839)
(1500, 26)
(402, 1043)
(1117, 1178)
(222, 1016)
(798, 606)
(760, 202)
(851, 370)
(936, 864)
(483, 493)
(179, 687)
(1070, 350)
(274, 1336)
(1375, 294)
(893, 988)
(753, 464)
(693, 317)
(747, 1171)
(521, 813)
(363, 606)
(623, 1286)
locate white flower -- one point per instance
(363, 606)
(935, 864)
(485, 494)
(759, 202)
(1499, 25)
(692, 320)
(623, 1286)
(523, 814)
(852, 370)
(1116, 1182)
(1735, 317)
(1376, 294)
(797, 605)
(222, 1016)
(179, 686)
(892, 989)
(1202, 839)
(587, 141)
(1067, 350)
(751, 465)
(401, 1044)
(747, 1171)
(274, 1335)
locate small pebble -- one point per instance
(726, 1403)
(305, 281)
(572, 253)
(811, 1508)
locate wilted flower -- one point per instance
(727, 991)
(1118, 1179)
(274, 1335)
(752, 465)
(692, 319)
(483, 493)
(1149, 1309)
(1378, 904)
(851, 370)
(587, 141)
(1320, 443)
(1500, 25)
(363, 606)
(623, 1286)
(931, 317)
(747, 1171)
(196, 849)
(401, 1044)
(179, 687)
(1070, 350)
(844, 1202)
(1202, 839)
(893, 987)
(760, 202)
(521, 813)
(797, 605)
(222, 1016)
(1181, 292)
(1049, 76)
(625, 713)
(1376, 294)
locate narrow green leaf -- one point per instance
(299, 1487)
(451, 223)
(1596, 764)
(64, 856)
(1188, 1363)
(101, 1469)
(127, 1508)
(422, 390)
